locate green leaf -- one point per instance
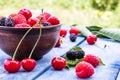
(77, 48)
(101, 62)
(94, 28)
(84, 31)
(113, 33)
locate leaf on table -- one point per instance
(76, 48)
(101, 62)
(113, 33)
(94, 28)
(84, 31)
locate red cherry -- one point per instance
(32, 21)
(58, 63)
(28, 64)
(12, 66)
(53, 20)
(63, 32)
(25, 12)
(91, 39)
(59, 41)
(46, 15)
(73, 30)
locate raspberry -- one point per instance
(71, 55)
(46, 24)
(84, 70)
(9, 22)
(18, 18)
(26, 13)
(32, 21)
(22, 25)
(74, 30)
(58, 63)
(2, 21)
(92, 59)
(73, 37)
(53, 20)
(63, 32)
(46, 15)
(80, 54)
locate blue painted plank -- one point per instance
(118, 78)
(106, 49)
(42, 64)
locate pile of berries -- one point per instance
(24, 19)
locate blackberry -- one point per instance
(71, 55)
(9, 22)
(73, 37)
(80, 54)
(46, 24)
(2, 21)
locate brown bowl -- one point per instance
(10, 37)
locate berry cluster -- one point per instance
(25, 19)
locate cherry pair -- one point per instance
(13, 66)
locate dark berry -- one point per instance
(9, 22)
(2, 21)
(46, 24)
(73, 37)
(80, 54)
(71, 55)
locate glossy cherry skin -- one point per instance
(28, 64)
(58, 63)
(91, 39)
(74, 30)
(63, 32)
(32, 21)
(12, 66)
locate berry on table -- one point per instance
(58, 63)
(71, 55)
(92, 59)
(53, 20)
(12, 66)
(63, 32)
(28, 64)
(59, 41)
(26, 13)
(80, 54)
(74, 30)
(73, 37)
(84, 70)
(91, 39)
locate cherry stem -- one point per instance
(13, 58)
(36, 41)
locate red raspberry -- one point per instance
(84, 70)
(58, 63)
(18, 18)
(53, 20)
(59, 41)
(63, 32)
(22, 25)
(92, 59)
(74, 30)
(91, 39)
(32, 21)
(25, 12)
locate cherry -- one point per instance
(59, 41)
(63, 32)
(58, 63)
(53, 20)
(11, 66)
(91, 39)
(32, 21)
(73, 30)
(28, 64)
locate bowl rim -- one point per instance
(46, 27)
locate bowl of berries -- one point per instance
(23, 36)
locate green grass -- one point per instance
(69, 11)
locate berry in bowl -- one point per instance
(22, 34)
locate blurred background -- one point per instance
(104, 13)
